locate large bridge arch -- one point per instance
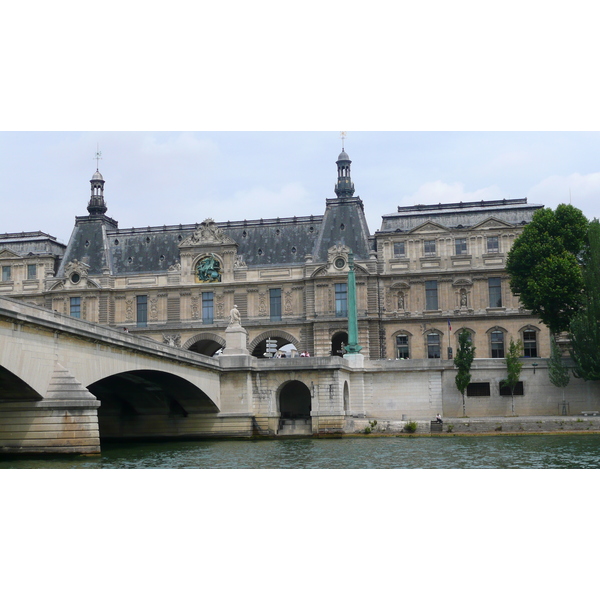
(258, 345)
(13, 388)
(147, 403)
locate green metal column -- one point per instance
(352, 347)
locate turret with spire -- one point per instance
(96, 205)
(344, 188)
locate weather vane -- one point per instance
(98, 157)
(343, 136)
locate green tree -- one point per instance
(513, 368)
(463, 360)
(585, 325)
(558, 372)
(544, 265)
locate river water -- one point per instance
(489, 452)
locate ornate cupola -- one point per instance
(344, 187)
(96, 205)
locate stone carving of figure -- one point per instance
(401, 301)
(208, 269)
(463, 298)
(234, 316)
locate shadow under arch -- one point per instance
(13, 387)
(258, 346)
(146, 403)
(294, 400)
(205, 343)
(338, 340)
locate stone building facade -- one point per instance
(428, 273)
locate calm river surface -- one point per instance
(497, 452)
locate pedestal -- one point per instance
(356, 361)
(235, 340)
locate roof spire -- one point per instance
(344, 187)
(96, 205)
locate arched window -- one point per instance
(402, 348)
(497, 343)
(433, 345)
(530, 343)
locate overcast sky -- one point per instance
(169, 178)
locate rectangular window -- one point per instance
(431, 295)
(530, 343)
(207, 307)
(497, 339)
(460, 245)
(275, 304)
(429, 247)
(31, 271)
(505, 390)
(493, 244)
(479, 389)
(399, 249)
(341, 299)
(402, 346)
(75, 309)
(141, 310)
(6, 274)
(433, 345)
(495, 288)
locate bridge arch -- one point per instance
(258, 346)
(205, 343)
(13, 388)
(147, 403)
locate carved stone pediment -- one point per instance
(207, 234)
(463, 282)
(492, 223)
(76, 266)
(429, 227)
(8, 254)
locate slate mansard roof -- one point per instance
(32, 243)
(459, 214)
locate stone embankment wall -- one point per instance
(467, 426)
(419, 389)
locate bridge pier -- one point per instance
(66, 421)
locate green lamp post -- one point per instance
(352, 347)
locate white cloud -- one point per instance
(583, 191)
(434, 192)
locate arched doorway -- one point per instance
(206, 347)
(294, 401)
(207, 344)
(338, 341)
(258, 346)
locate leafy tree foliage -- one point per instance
(544, 268)
(513, 368)
(585, 326)
(463, 361)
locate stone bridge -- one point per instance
(65, 384)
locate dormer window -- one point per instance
(429, 247)
(460, 246)
(493, 244)
(399, 249)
